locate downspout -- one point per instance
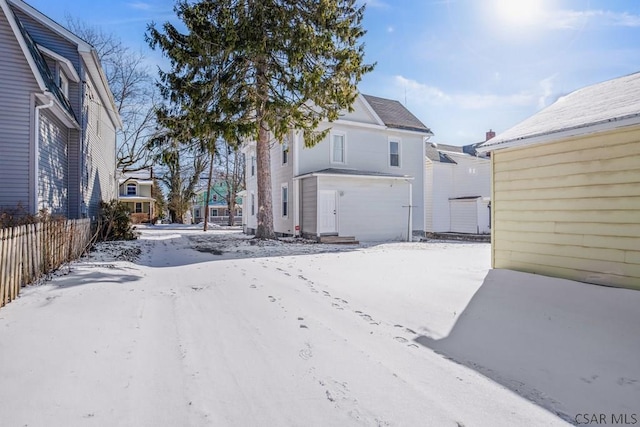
(36, 144)
(409, 225)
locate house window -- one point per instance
(285, 199)
(285, 150)
(138, 207)
(132, 189)
(213, 212)
(253, 204)
(215, 198)
(253, 165)
(63, 83)
(394, 153)
(196, 212)
(338, 148)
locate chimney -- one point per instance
(490, 135)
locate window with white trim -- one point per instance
(132, 189)
(213, 212)
(284, 197)
(338, 148)
(253, 165)
(394, 153)
(138, 207)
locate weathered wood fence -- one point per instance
(28, 252)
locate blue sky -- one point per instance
(461, 66)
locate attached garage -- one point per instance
(566, 188)
(365, 205)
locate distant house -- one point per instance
(58, 120)
(457, 189)
(364, 181)
(136, 191)
(218, 211)
(566, 188)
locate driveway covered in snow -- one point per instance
(186, 328)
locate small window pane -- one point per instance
(285, 201)
(338, 149)
(394, 153)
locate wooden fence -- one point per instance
(30, 251)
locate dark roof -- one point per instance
(394, 115)
(609, 104)
(354, 172)
(43, 68)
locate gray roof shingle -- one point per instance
(394, 115)
(605, 103)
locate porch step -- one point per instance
(338, 240)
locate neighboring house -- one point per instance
(364, 180)
(566, 188)
(217, 207)
(58, 120)
(136, 191)
(457, 189)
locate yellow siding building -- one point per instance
(566, 188)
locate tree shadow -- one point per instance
(82, 276)
(570, 347)
(187, 245)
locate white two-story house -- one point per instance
(364, 180)
(457, 189)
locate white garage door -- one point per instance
(464, 216)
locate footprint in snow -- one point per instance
(400, 339)
(253, 286)
(337, 306)
(272, 299)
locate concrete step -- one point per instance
(338, 240)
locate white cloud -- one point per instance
(425, 94)
(571, 19)
(546, 87)
(390, 29)
(139, 5)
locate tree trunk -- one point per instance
(263, 152)
(205, 214)
(265, 209)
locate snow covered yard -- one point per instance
(187, 328)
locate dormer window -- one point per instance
(132, 189)
(63, 83)
(64, 72)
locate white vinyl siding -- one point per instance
(570, 209)
(363, 213)
(52, 165)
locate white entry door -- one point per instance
(327, 212)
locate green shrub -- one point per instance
(114, 222)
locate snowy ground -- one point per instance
(183, 328)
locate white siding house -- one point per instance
(58, 121)
(364, 180)
(457, 190)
